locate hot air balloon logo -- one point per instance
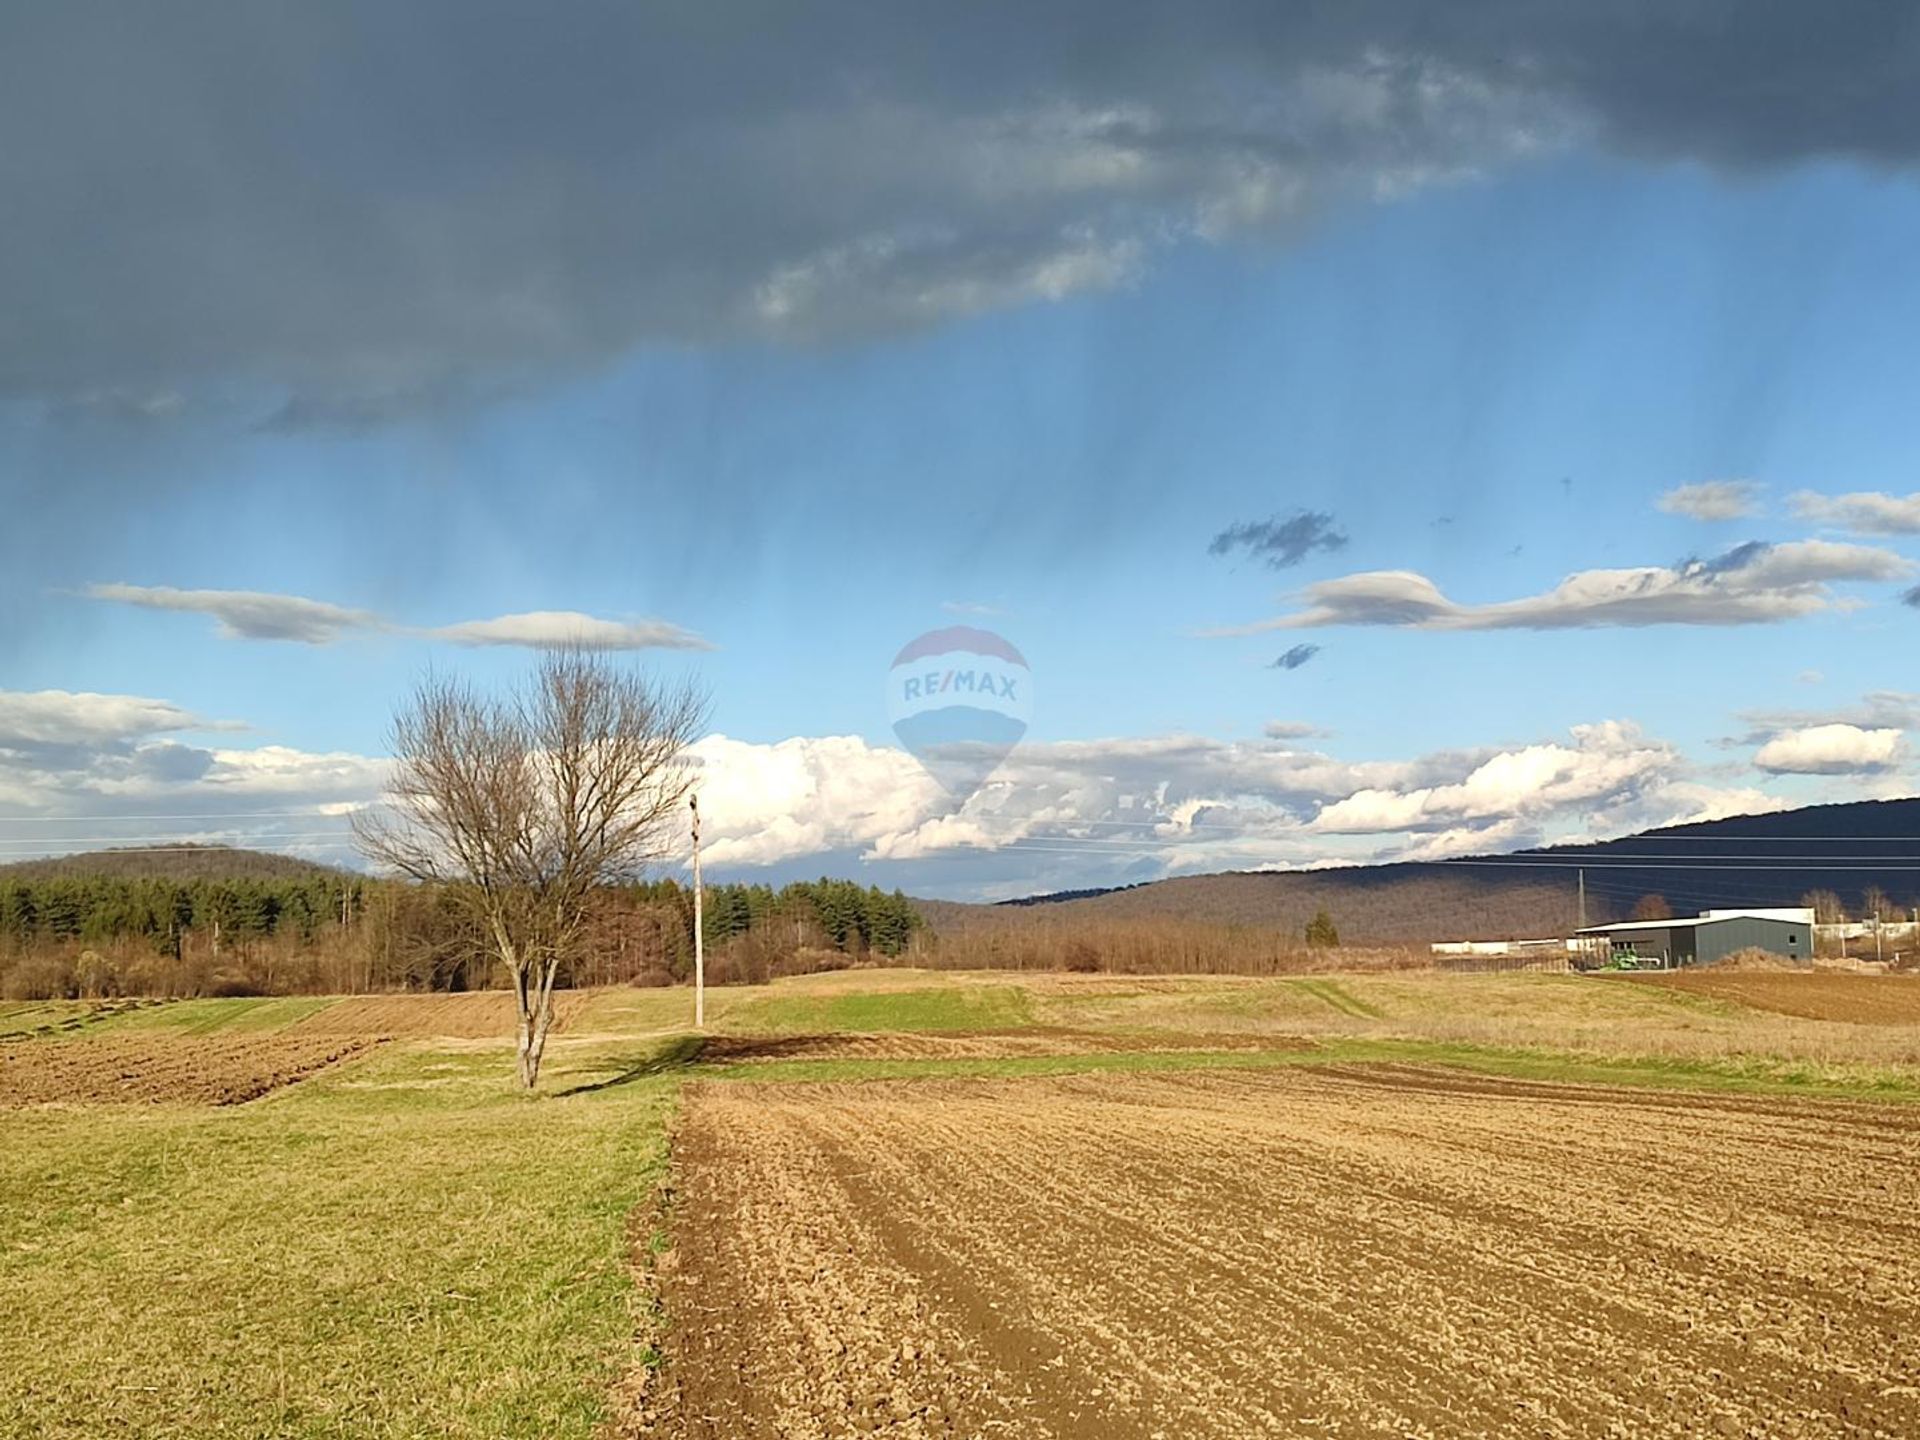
(960, 700)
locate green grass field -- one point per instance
(406, 1246)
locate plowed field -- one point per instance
(183, 1069)
(1298, 1251)
(992, 1045)
(1862, 999)
(476, 1015)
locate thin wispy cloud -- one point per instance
(1864, 512)
(1713, 500)
(1280, 543)
(971, 607)
(542, 629)
(1751, 585)
(1292, 730)
(257, 615)
(248, 614)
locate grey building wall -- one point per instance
(1675, 946)
(1719, 938)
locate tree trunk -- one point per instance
(533, 1002)
(542, 1019)
(528, 1060)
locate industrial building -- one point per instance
(1711, 936)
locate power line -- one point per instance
(1696, 857)
(1591, 867)
(29, 856)
(310, 811)
(185, 839)
(1654, 838)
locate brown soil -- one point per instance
(1862, 999)
(182, 1069)
(1300, 1251)
(974, 1045)
(475, 1015)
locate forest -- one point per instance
(78, 934)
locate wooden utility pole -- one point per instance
(1583, 900)
(699, 928)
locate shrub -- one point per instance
(742, 966)
(95, 975)
(1755, 958)
(1321, 933)
(40, 977)
(1077, 957)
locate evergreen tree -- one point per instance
(1321, 933)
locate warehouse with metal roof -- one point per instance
(1712, 936)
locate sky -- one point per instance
(1382, 431)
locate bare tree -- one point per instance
(1652, 907)
(1826, 906)
(521, 807)
(1879, 906)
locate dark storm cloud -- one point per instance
(1911, 597)
(1279, 543)
(381, 208)
(1295, 658)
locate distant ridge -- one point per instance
(1771, 859)
(168, 862)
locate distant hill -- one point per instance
(1371, 904)
(1748, 860)
(169, 862)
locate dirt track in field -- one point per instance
(475, 1015)
(1302, 1251)
(974, 1045)
(180, 1069)
(1861, 999)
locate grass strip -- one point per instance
(1743, 1075)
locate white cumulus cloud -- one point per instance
(762, 803)
(1111, 811)
(1834, 749)
(83, 771)
(67, 717)
(1605, 763)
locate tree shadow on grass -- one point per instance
(676, 1054)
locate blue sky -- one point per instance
(1487, 374)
